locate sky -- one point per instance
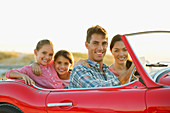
(65, 22)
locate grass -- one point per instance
(108, 59)
(9, 58)
(14, 58)
(6, 55)
(20, 59)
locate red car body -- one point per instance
(134, 97)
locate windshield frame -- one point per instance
(144, 75)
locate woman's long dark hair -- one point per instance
(113, 41)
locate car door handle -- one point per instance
(59, 104)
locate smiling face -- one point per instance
(62, 66)
(44, 54)
(120, 52)
(97, 47)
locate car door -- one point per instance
(150, 52)
(157, 100)
(129, 98)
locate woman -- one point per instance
(122, 66)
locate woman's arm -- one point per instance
(124, 78)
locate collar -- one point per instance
(95, 64)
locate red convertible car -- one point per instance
(150, 52)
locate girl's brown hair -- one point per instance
(42, 43)
(68, 55)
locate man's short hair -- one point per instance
(95, 29)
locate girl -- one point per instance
(63, 63)
(48, 79)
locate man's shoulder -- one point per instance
(80, 68)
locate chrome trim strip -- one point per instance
(43, 89)
(59, 104)
(80, 88)
(146, 32)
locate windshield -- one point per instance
(152, 49)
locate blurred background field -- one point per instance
(9, 60)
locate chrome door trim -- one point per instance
(59, 104)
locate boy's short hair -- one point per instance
(95, 29)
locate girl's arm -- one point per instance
(36, 69)
(17, 75)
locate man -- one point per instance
(97, 75)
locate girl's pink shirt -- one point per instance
(65, 82)
(113, 71)
(48, 79)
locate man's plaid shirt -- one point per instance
(85, 77)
